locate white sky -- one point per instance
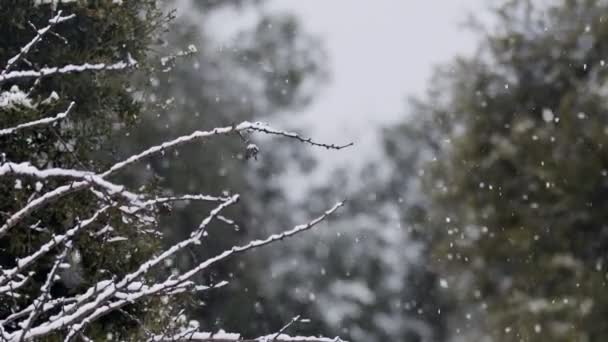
(380, 52)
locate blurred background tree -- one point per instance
(365, 278)
(510, 149)
(248, 69)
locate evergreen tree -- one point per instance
(510, 148)
(99, 32)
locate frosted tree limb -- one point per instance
(76, 186)
(67, 69)
(284, 328)
(40, 34)
(45, 294)
(25, 262)
(12, 286)
(44, 121)
(92, 310)
(232, 337)
(49, 305)
(261, 127)
(60, 322)
(26, 169)
(197, 135)
(195, 238)
(169, 283)
(228, 222)
(259, 243)
(199, 197)
(33, 313)
(47, 198)
(174, 281)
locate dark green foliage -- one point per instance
(101, 32)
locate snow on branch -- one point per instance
(33, 313)
(261, 127)
(45, 292)
(45, 121)
(259, 243)
(98, 308)
(23, 263)
(7, 75)
(40, 34)
(28, 170)
(222, 336)
(68, 69)
(231, 337)
(196, 135)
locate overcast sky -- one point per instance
(380, 52)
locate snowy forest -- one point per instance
(188, 170)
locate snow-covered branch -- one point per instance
(23, 263)
(45, 292)
(33, 312)
(44, 121)
(232, 337)
(222, 336)
(261, 127)
(26, 169)
(40, 34)
(259, 243)
(197, 135)
(67, 69)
